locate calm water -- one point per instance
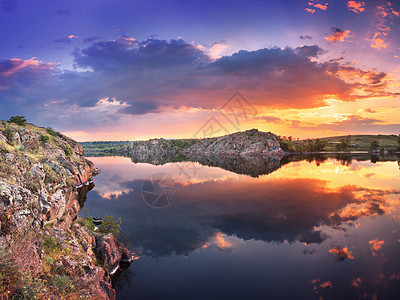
(300, 230)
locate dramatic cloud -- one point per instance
(356, 6)
(154, 75)
(338, 35)
(341, 253)
(16, 73)
(217, 49)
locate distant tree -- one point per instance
(345, 144)
(374, 145)
(309, 146)
(319, 145)
(286, 145)
(398, 141)
(298, 148)
(19, 120)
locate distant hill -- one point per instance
(380, 143)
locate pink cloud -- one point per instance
(310, 10)
(356, 6)
(312, 6)
(338, 35)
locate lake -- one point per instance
(255, 228)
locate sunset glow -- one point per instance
(308, 69)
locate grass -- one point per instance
(357, 142)
(64, 284)
(51, 175)
(52, 247)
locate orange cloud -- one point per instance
(356, 282)
(320, 6)
(338, 35)
(221, 242)
(355, 6)
(71, 36)
(316, 5)
(376, 244)
(341, 253)
(378, 40)
(310, 10)
(326, 284)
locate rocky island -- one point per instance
(249, 142)
(46, 249)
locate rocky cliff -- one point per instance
(46, 251)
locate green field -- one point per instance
(355, 143)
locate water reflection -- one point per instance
(337, 220)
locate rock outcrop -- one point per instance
(112, 254)
(250, 142)
(44, 179)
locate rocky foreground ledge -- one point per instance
(46, 250)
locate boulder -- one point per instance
(110, 253)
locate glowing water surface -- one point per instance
(303, 230)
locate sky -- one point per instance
(133, 70)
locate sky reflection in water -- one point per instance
(306, 230)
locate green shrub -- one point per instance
(51, 131)
(68, 150)
(63, 283)
(52, 247)
(110, 225)
(19, 120)
(30, 289)
(44, 138)
(88, 222)
(374, 145)
(286, 145)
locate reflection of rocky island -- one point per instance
(253, 166)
